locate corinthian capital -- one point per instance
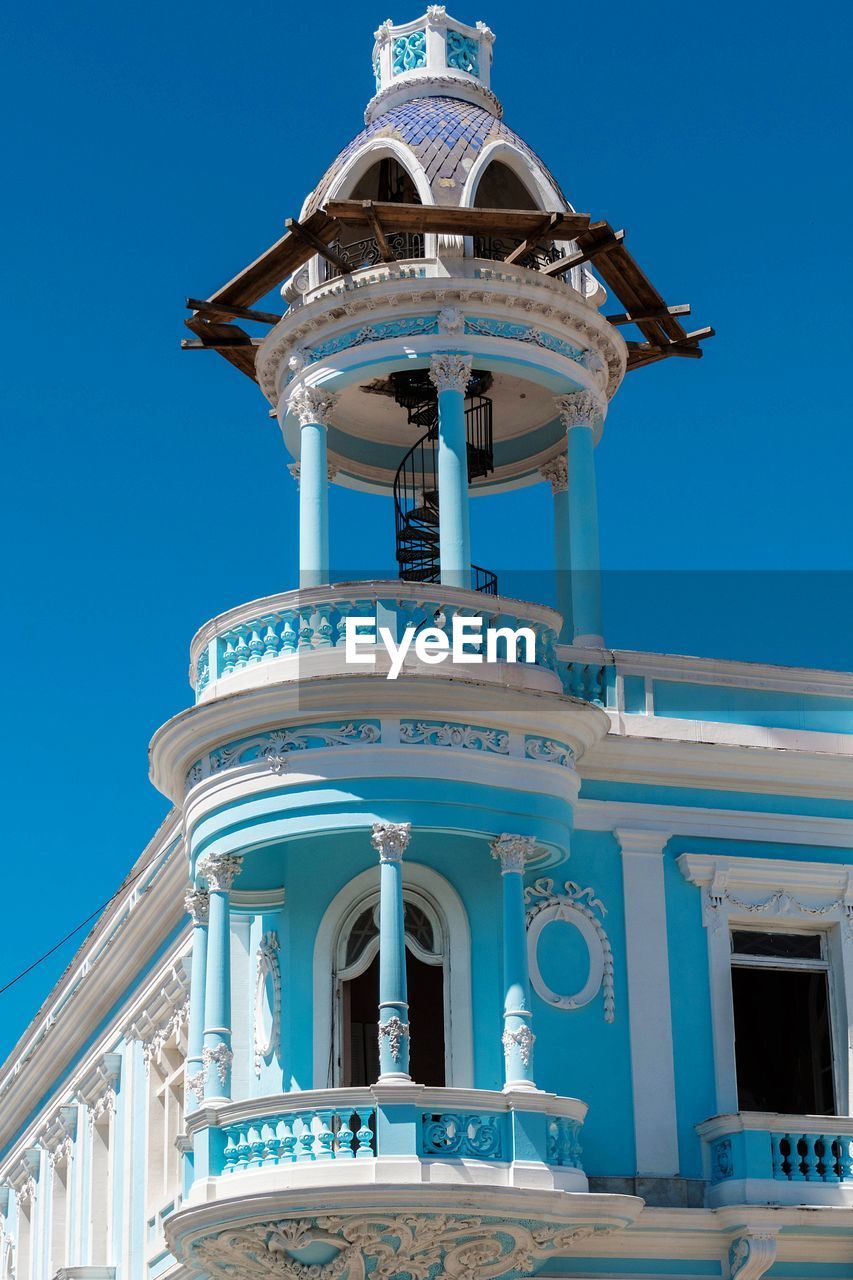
(557, 471)
(220, 870)
(390, 839)
(580, 409)
(513, 852)
(310, 404)
(197, 903)
(450, 371)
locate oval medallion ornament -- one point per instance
(581, 909)
(267, 1001)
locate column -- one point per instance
(579, 412)
(313, 409)
(451, 373)
(197, 903)
(557, 472)
(649, 1012)
(513, 852)
(220, 872)
(390, 839)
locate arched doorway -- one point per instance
(357, 996)
(387, 180)
(501, 188)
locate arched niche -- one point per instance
(500, 187)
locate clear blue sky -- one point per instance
(151, 150)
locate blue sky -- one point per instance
(151, 150)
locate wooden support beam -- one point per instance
(281, 259)
(698, 335)
(325, 250)
(529, 244)
(583, 255)
(198, 344)
(224, 311)
(453, 220)
(665, 349)
(636, 317)
(385, 251)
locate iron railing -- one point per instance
(366, 253)
(497, 249)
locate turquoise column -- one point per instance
(556, 471)
(197, 903)
(390, 839)
(313, 409)
(220, 872)
(513, 852)
(579, 412)
(451, 374)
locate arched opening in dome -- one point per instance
(358, 996)
(386, 181)
(501, 188)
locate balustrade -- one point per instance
(326, 1134)
(366, 252)
(754, 1157)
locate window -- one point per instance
(165, 1123)
(783, 1041)
(358, 993)
(101, 1211)
(22, 1267)
(59, 1214)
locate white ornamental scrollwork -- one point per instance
(218, 1056)
(750, 1256)
(390, 839)
(220, 870)
(520, 1038)
(418, 1246)
(579, 409)
(455, 735)
(451, 320)
(395, 1031)
(311, 405)
(195, 1084)
(267, 993)
(582, 909)
(450, 371)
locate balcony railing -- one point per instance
(763, 1158)
(310, 623)
(498, 249)
(366, 253)
(365, 1124)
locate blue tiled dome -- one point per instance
(445, 134)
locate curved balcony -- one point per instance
(401, 1169)
(300, 634)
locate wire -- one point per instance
(62, 941)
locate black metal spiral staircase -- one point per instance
(416, 494)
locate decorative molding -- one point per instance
(384, 1245)
(411, 327)
(514, 852)
(218, 1056)
(450, 371)
(220, 870)
(750, 1256)
(739, 887)
(549, 751)
(268, 969)
(272, 748)
(390, 840)
(197, 904)
(195, 1084)
(484, 327)
(395, 1031)
(472, 737)
(166, 1013)
(580, 409)
(521, 1038)
(312, 406)
(451, 320)
(557, 473)
(582, 909)
(98, 1089)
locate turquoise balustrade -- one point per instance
(325, 1134)
(564, 1148)
(301, 623)
(762, 1158)
(477, 1136)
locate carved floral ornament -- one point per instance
(514, 852)
(197, 904)
(584, 911)
(580, 409)
(390, 840)
(450, 371)
(395, 1031)
(417, 1246)
(312, 405)
(267, 1001)
(556, 471)
(750, 1256)
(220, 870)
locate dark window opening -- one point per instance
(385, 181)
(360, 1008)
(501, 188)
(783, 1046)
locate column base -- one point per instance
(395, 1077)
(589, 642)
(526, 1086)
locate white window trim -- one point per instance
(776, 894)
(457, 967)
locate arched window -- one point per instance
(357, 991)
(501, 188)
(387, 180)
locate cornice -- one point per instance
(662, 820)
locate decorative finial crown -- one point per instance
(434, 55)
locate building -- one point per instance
(500, 967)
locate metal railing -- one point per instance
(497, 249)
(366, 253)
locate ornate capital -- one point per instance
(580, 409)
(514, 851)
(450, 371)
(390, 840)
(220, 870)
(310, 404)
(197, 904)
(557, 472)
(293, 468)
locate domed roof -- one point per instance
(446, 135)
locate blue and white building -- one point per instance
(499, 968)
